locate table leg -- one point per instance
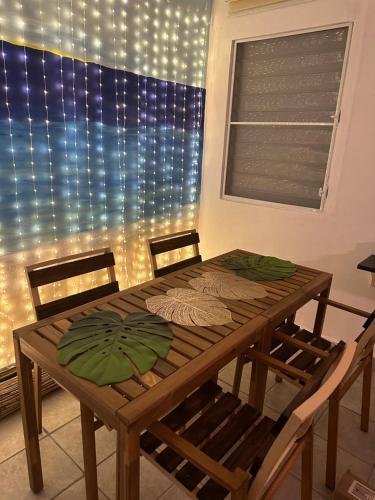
(259, 372)
(321, 312)
(89, 452)
(30, 427)
(128, 464)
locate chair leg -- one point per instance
(38, 396)
(89, 452)
(366, 394)
(307, 466)
(241, 360)
(332, 441)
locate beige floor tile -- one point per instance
(227, 375)
(280, 395)
(291, 490)
(59, 472)
(345, 461)
(153, 482)
(353, 398)
(270, 412)
(351, 438)
(226, 387)
(59, 408)
(174, 493)
(11, 436)
(70, 439)
(76, 492)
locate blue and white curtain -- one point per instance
(101, 129)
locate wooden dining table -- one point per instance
(197, 354)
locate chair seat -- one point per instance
(220, 425)
(294, 356)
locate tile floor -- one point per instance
(62, 455)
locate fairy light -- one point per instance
(93, 277)
(66, 169)
(88, 144)
(123, 184)
(75, 143)
(75, 285)
(120, 152)
(156, 52)
(154, 163)
(36, 226)
(138, 47)
(55, 288)
(176, 26)
(117, 105)
(165, 132)
(165, 37)
(144, 144)
(104, 226)
(182, 169)
(48, 135)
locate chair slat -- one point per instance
(287, 350)
(57, 306)
(65, 270)
(183, 413)
(243, 456)
(189, 475)
(200, 429)
(177, 266)
(306, 359)
(170, 244)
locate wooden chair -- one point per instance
(294, 356)
(169, 242)
(43, 273)
(212, 444)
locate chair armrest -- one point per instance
(271, 362)
(232, 481)
(344, 307)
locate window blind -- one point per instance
(283, 114)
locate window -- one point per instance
(283, 115)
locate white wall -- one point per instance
(343, 234)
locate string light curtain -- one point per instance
(101, 127)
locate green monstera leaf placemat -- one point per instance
(258, 267)
(106, 348)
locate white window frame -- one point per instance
(334, 124)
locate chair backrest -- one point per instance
(297, 418)
(169, 242)
(366, 340)
(44, 273)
